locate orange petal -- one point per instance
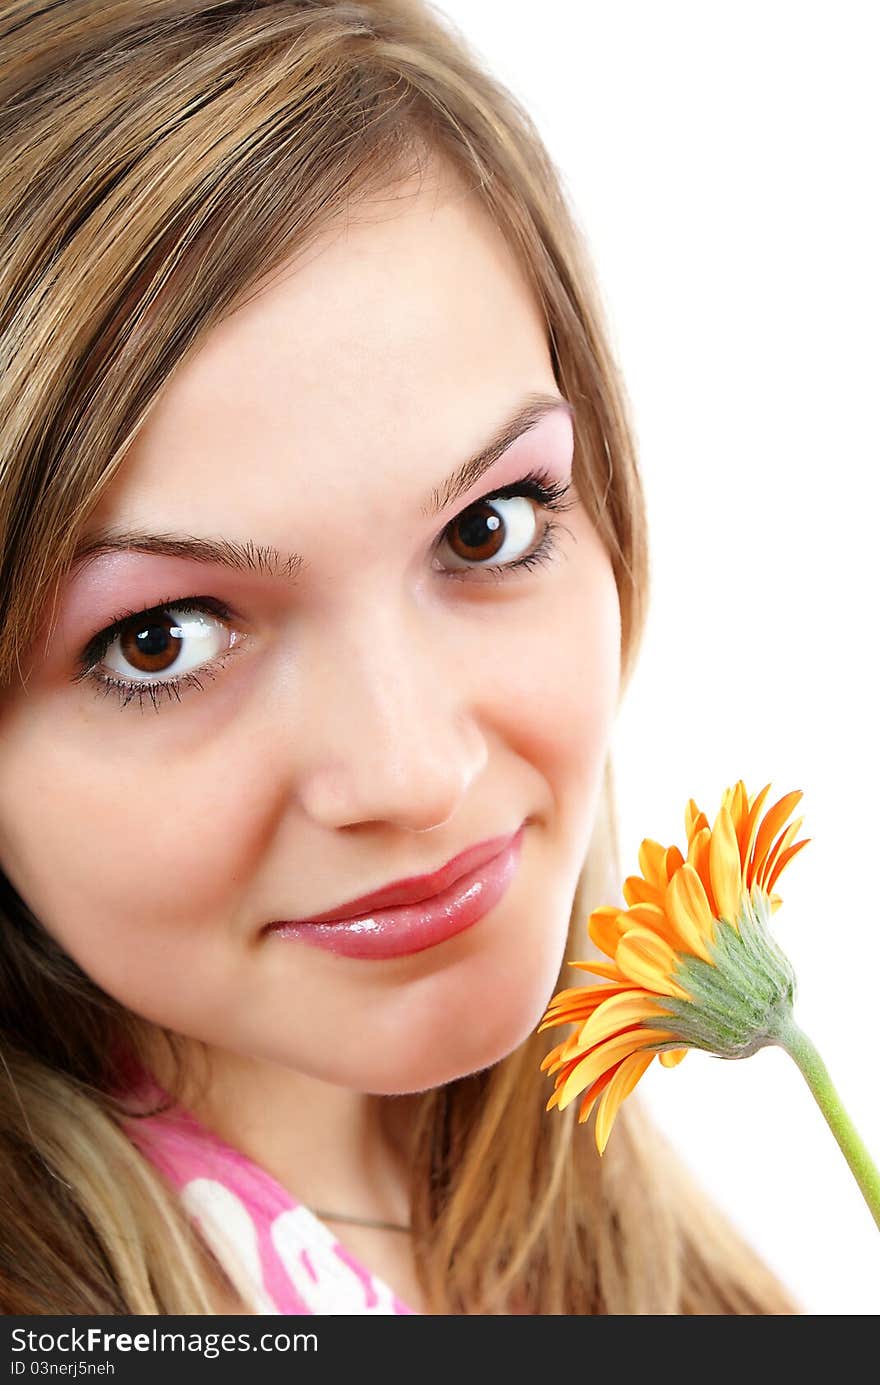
(562, 1060)
(773, 820)
(783, 862)
(655, 919)
(607, 969)
(783, 841)
(639, 891)
(739, 813)
(581, 1005)
(616, 1013)
(586, 995)
(625, 1078)
(751, 830)
(604, 928)
(589, 1098)
(570, 993)
(725, 869)
(652, 858)
(552, 1057)
(694, 820)
(687, 906)
(574, 1015)
(593, 1064)
(649, 962)
(671, 1057)
(674, 862)
(564, 1017)
(698, 857)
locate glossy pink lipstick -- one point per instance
(418, 912)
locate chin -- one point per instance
(429, 1057)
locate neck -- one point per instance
(330, 1147)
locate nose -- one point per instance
(391, 736)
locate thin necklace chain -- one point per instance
(360, 1221)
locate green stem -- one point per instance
(804, 1054)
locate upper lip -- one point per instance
(415, 888)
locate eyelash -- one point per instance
(129, 691)
(538, 485)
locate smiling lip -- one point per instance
(418, 912)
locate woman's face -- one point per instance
(384, 702)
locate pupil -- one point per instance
(472, 529)
(153, 640)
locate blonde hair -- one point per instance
(159, 158)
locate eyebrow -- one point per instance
(249, 556)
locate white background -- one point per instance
(722, 160)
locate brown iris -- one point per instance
(480, 529)
(154, 647)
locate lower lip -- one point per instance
(413, 927)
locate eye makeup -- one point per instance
(549, 493)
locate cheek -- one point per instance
(130, 869)
(557, 701)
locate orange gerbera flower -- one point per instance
(692, 964)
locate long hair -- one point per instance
(159, 158)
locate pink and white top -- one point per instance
(279, 1255)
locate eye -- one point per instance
(504, 530)
(187, 638)
(164, 642)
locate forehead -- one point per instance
(388, 349)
